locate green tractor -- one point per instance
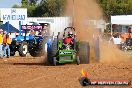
(67, 49)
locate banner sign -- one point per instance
(13, 14)
(33, 27)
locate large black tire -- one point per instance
(52, 54)
(54, 47)
(13, 48)
(34, 53)
(32, 48)
(54, 61)
(23, 49)
(44, 50)
(43, 43)
(12, 51)
(37, 51)
(84, 52)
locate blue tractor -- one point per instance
(27, 42)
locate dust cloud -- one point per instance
(83, 10)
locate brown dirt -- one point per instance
(32, 73)
(111, 54)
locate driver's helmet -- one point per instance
(70, 34)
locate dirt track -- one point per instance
(32, 73)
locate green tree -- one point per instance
(32, 2)
(116, 7)
(46, 8)
(16, 6)
(50, 8)
(24, 3)
(30, 5)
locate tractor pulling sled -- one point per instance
(62, 52)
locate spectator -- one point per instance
(40, 33)
(32, 33)
(1, 42)
(6, 42)
(44, 32)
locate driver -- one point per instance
(69, 38)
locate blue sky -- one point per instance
(9, 3)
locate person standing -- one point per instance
(6, 42)
(1, 43)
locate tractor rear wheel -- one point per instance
(35, 49)
(23, 49)
(39, 50)
(46, 49)
(34, 53)
(54, 47)
(51, 55)
(84, 52)
(54, 61)
(43, 46)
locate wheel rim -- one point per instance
(25, 49)
(46, 47)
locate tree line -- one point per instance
(50, 8)
(115, 7)
(43, 8)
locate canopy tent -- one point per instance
(120, 23)
(121, 19)
(11, 28)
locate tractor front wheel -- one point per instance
(13, 48)
(34, 53)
